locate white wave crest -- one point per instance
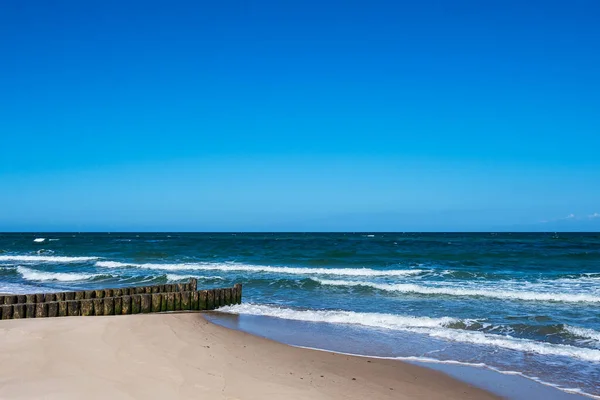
(376, 320)
(178, 277)
(433, 327)
(585, 333)
(263, 268)
(33, 275)
(505, 294)
(39, 240)
(47, 259)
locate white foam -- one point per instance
(505, 294)
(433, 327)
(585, 333)
(33, 275)
(263, 268)
(53, 240)
(179, 277)
(39, 240)
(47, 259)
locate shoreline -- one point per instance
(183, 355)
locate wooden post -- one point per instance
(193, 284)
(118, 305)
(79, 295)
(60, 296)
(49, 297)
(222, 297)
(140, 290)
(98, 306)
(30, 298)
(87, 307)
(195, 300)
(62, 308)
(170, 301)
(29, 310)
(73, 308)
(186, 299)
(40, 297)
(156, 302)
(161, 289)
(10, 299)
(238, 287)
(177, 303)
(163, 302)
(148, 290)
(136, 303)
(90, 294)
(99, 294)
(155, 289)
(228, 297)
(210, 299)
(68, 296)
(126, 305)
(118, 292)
(41, 310)
(53, 309)
(7, 311)
(21, 299)
(108, 293)
(146, 303)
(19, 311)
(109, 306)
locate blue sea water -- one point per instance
(526, 303)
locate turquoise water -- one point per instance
(528, 303)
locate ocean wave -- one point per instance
(33, 275)
(584, 333)
(376, 320)
(178, 277)
(262, 268)
(505, 294)
(39, 240)
(432, 327)
(47, 259)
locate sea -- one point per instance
(525, 304)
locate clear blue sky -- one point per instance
(306, 115)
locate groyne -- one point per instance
(119, 301)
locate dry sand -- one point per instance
(182, 356)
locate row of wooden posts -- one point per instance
(123, 301)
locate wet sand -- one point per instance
(181, 356)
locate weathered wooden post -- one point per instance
(228, 297)
(79, 295)
(170, 301)
(146, 303)
(98, 306)
(161, 289)
(193, 284)
(155, 289)
(186, 300)
(118, 292)
(53, 309)
(136, 303)
(89, 294)
(49, 297)
(30, 310)
(41, 310)
(19, 311)
(30, 298)
(87, 307)
(238, 287)
(163, 303)
(60, 296)
(210, 299)
(108, 293)
(126, 305)
(118, 305)
(21, 299)
(195, 299)
(10, 299)
(99, 294)
(109, 306)
(7, 311)
(62, 308)
(73, 308)
(156, 302)
(68, 296)
(177, 301)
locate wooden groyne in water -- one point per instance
(120, 301)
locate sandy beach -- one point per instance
(181, 356)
